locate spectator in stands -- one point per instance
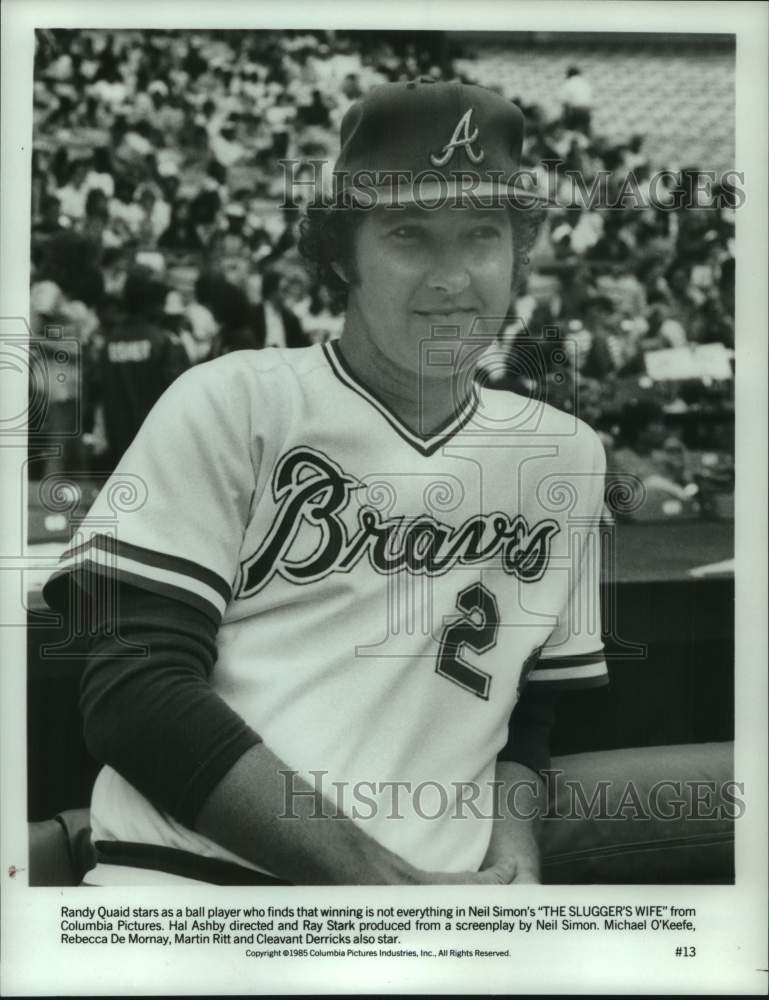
(101, 174)
(139, 358)
(49, 221)
(65, 295)
(154, 215)
(226, 148)
(96, 216)
(204, 216)
(280, 116)
(231, 311)
(72, 262)
(177, 320)
(179, 234)
(60, 167)
(635, 159)
(144, 104)
(577, 100)
(685, 305)
(320, 319)
(615, 243)
(609, 353)
(642, 432)
(315, 113)
(204, 328)
(658, 459)
(115, 263)
(234, 239)
(275, 325)
(73, 194)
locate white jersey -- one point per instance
(381, 597)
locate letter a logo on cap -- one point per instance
(460, 137)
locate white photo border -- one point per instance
(732, 924)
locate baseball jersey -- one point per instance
(381, 597)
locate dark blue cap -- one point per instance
(424, 141)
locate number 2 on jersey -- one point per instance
(477, 631)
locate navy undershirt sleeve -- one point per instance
(529, 729)
(150, 712)
(148, 708)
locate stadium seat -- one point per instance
(619, 848)
(678, 100)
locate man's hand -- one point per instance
(501, 873)
(509, 870)
(514, 833)
(243, 812)
(527, 876)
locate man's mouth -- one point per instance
(446, 314)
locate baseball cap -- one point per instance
(428, 142)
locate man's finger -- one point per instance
(503, 872)
(527, 876)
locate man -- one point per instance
(136, 359)
(354, 575)
(577, 98)
(273, 323)
(49, 222)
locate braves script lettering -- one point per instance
(312, 490)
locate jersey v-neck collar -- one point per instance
(425, 445)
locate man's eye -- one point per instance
(407, 234)
(485, 233)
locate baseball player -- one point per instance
(354, 577)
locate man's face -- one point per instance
(420, 270)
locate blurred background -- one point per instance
(157, 224)
(159, 242)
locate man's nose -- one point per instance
(449, 270)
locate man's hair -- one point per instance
(326, 237)
(144, 293)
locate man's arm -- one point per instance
(572, 658)
(156, 720)
(520, 797)
(278, 821)
(247, 812)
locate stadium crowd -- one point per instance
(160, 239)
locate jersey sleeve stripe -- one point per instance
(159, 581)
(150, 558)
(181, 863)
(561, 683)
(565, 662)
(166, 589)
(585, 671)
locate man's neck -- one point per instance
(420, 402)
